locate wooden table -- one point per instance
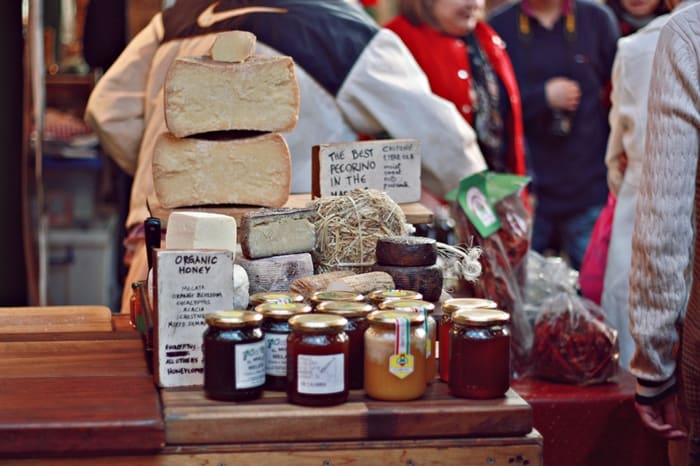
(85, 397)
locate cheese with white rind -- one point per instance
(203, 95)
(363, 283)
(241, 286)
(233, 46)
(200, 230)
(204, 171)
(276, 232)
(276, 273)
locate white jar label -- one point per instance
(276, 354)
(318, 375)
(250, 365)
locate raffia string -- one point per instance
(348, 227)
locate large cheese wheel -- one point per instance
(427, 280)
(406, 251)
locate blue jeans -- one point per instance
(569, 234)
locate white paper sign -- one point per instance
(392, 165)
(188, 286)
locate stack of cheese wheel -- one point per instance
(411, 262)
(224, 113)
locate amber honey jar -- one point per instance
(479, 354)
(234, 356)
(276, 329)
(395, 355)
(262, 297)
(321, 296)
(356, 315)
(448, 308)
(378, 296)
(318, 360)
(429, 324)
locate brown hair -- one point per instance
(418, 12)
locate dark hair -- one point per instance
(418, 12)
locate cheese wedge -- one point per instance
(198, 171)
(275, 232)
(203, 95)
(233, 46)
(200, 230)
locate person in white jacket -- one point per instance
(354, 78)
(625, 154)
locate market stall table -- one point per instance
(87, 398)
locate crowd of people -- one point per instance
(553, 89)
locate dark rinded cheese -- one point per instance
(406, 251)
(275, 232)
(427, 280)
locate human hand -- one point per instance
(662, 418)
(562, 93)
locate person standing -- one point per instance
(664, 280)
(562, 52)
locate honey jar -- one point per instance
(320, 296)
(234, 356)
(378, 296)
(274, 297)
(449, 307)
(429, 324)
(356, 315)
(276, 329)
(318, 360)
(395, 355)
(480, 354)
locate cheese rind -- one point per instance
(276, 273)
(203, 95)
(363, 283)
(233, 46)
(200, 230)
(307, 286)
(200, 171)
(275, 232)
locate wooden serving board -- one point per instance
(191, 418)
(54, 319)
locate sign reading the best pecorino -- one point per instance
(188, 286)
(390, 165)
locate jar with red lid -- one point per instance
(429, 324)
(480, 354)
(395, 356)
(276, 330)
(445, 327)
(318, 360)
(234, 356)
(356, 315)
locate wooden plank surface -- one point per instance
(191, 418)
(55, 319)
(517, 451)
(415, 212)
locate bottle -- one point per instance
(318, 357)
(234, 356)
(395, 356)
(448, 307)
(480, 354)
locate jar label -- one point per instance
(276, 354)
(250, 365)
(401, 365)
(401, 362)
(317, 375)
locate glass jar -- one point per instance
(320, 296)
(234, 356)
(356, 315)
(449, 307)
(262, 297)
(318, 360)
(276, 329)
(395, 355)
(480, 354)
(378, 296)
(429, 324)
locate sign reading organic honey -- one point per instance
(187, 286)
(390, 165)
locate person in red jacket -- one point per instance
(466, 63)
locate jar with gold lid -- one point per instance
(234, 356)
(429, 324)
(378, 296)
(395, 356)
(318, 360)
(445, 327)
(356, 315)
(276, 330)
(480, 354)
(274, 297)
(320, 296)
